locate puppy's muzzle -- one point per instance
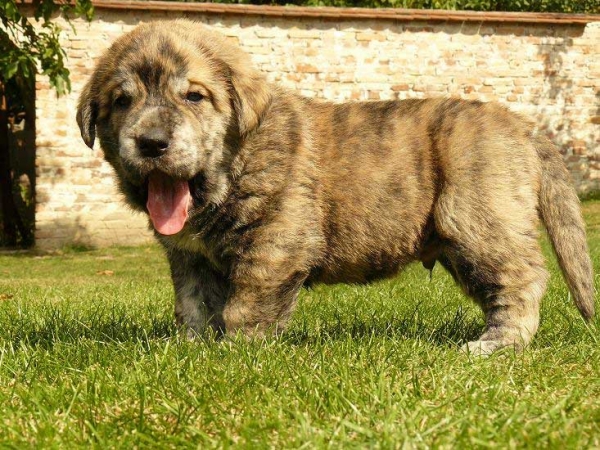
(153, 143)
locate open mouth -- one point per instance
(169, 201)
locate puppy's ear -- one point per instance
(251, 97)
(87, 112)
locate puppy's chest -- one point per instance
(195, 244)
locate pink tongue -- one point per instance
(168, 201)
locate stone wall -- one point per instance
(547, 68)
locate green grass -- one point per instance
(89, 357)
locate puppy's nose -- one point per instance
(153, 143)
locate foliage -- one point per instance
(27, 48)
(560, 6)
(92, 360)
(23, 45)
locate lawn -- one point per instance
(89, 357)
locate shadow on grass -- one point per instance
(57, 329)
(443, 331)
(120, 326)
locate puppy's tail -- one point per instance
(561, 213)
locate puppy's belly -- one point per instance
(363, 269)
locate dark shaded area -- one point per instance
(450, 330)
(17, 163)
(120, 327)
(117, 328)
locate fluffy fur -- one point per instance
(289, 191)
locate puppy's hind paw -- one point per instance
(482, 348)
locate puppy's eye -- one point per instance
(194, 97)
(122, 101)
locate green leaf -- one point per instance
(10, 70)
(24, 48)
(10, 11)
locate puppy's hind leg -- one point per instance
(490, 244)
(508, 284)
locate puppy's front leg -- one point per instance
(200, 294)
(261, 306)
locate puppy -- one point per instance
(255, 191)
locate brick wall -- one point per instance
(549, 71)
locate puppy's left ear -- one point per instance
(251, 97)
(87, 113)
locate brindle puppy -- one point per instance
(255, 191)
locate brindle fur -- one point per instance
(290, 191)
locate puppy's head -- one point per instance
(170, 102)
